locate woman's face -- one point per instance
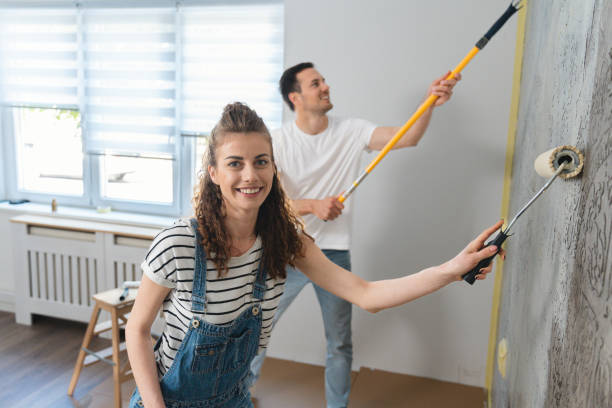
(244, 171)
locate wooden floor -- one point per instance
(36, 364)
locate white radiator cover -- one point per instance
(59, 269)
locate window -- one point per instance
(148, 179)
(106, 106)
(43, 135)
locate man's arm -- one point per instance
(383, 134)
(326, 209)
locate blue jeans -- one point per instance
(337, 321)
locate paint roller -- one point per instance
(514, 6)
(562, 161)
(127, 285)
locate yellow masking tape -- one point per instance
(516, 89)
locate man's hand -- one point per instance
(328, 208)
(381, 135)
(443, 88)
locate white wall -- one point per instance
(7, 289)
(419, 206)
(7, 275)
(2, 169)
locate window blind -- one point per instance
(142, 73)
(129, 76)
(230, 53)
(38, 58)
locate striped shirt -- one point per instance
(170, 262)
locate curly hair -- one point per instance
(277, 224)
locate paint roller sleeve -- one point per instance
(547, 163)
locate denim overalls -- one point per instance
(211, 367)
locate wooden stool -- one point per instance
(118, 309)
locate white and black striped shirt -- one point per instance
(170, 262)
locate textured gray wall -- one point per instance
(556, 304)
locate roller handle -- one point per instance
(499, 239)
(497, 25)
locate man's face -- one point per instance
(314, 92)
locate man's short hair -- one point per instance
(288, 82)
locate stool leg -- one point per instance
(86, 340)
(116, 367)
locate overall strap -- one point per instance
(198, 293)
(259, 287)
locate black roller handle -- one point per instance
(499, 239)
(498, 24)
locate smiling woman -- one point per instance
(240, 183)
(220, 281)
(220, 276)
(245, 171)
(244, 176)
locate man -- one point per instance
(317, 157)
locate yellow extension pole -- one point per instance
(430, 100)
(415, 116)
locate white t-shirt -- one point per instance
(170, 263)
(322, 165)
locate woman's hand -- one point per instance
(467, 259)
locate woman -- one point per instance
(220, 275)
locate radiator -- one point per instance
(61, 264)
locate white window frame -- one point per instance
(133, 205)
(190, 178)
(13, 192)
(91, 180)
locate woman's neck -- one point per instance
(242, 232)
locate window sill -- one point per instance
(88, 214)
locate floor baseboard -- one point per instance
(7, 301)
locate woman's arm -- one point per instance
(138, 339)
(383, 294)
